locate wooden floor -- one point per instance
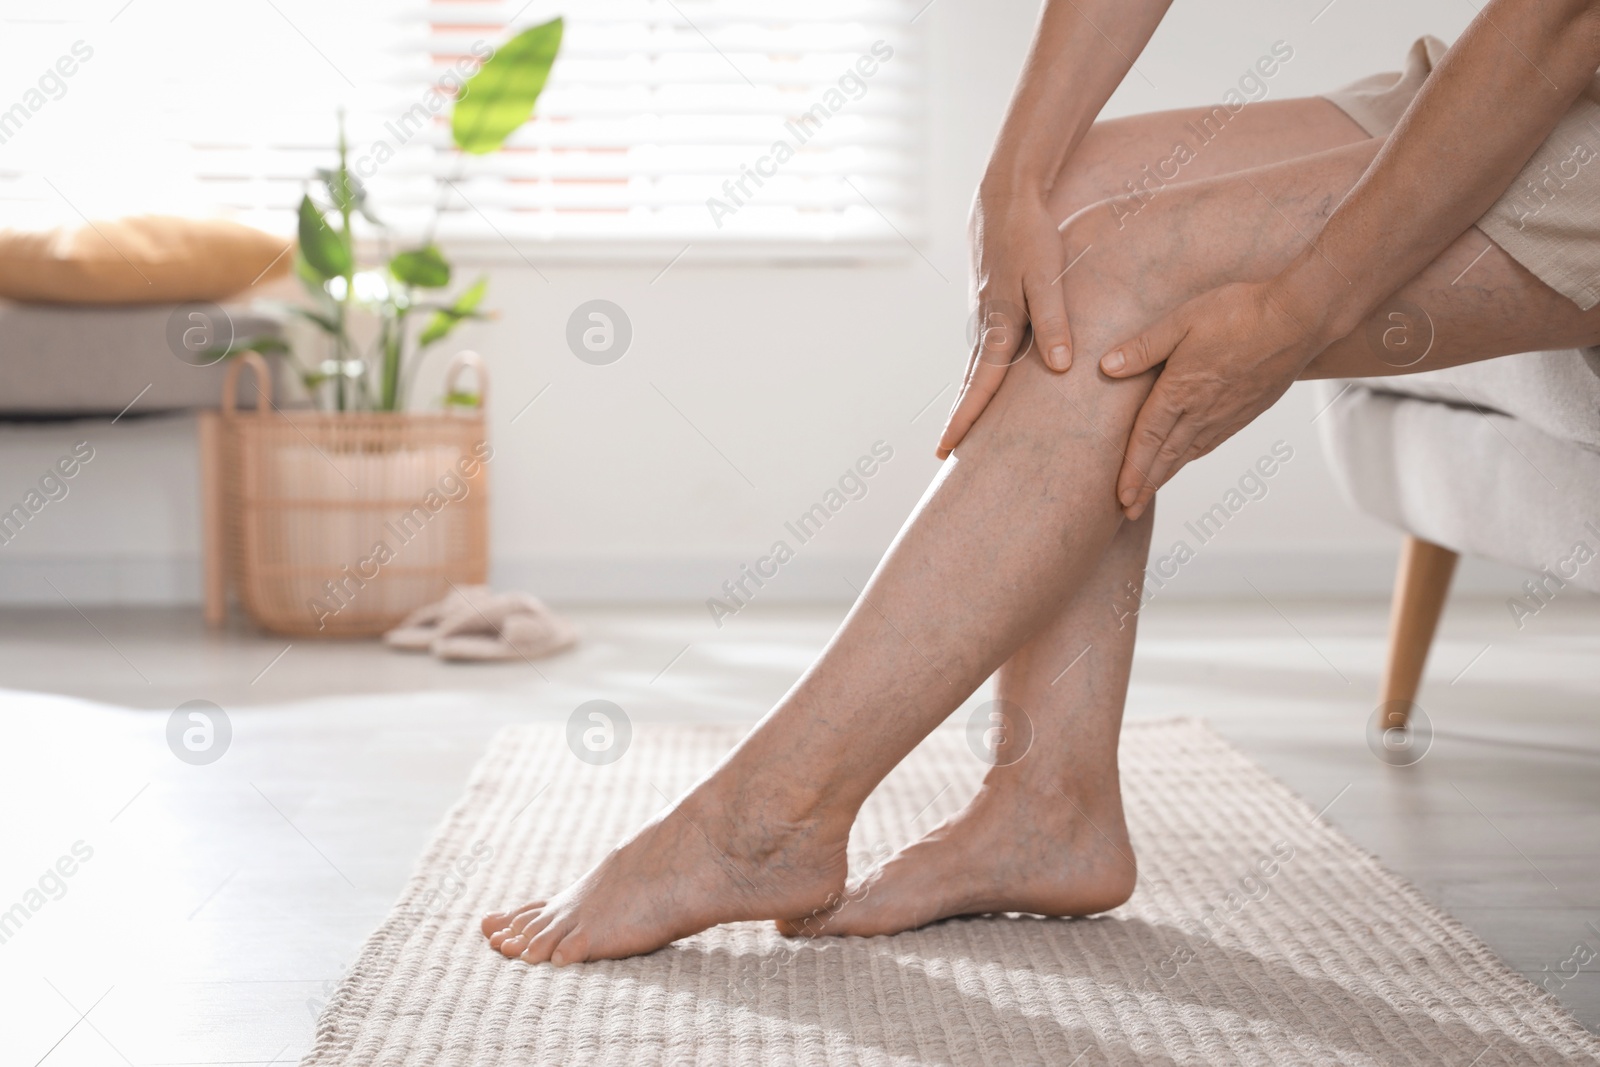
(218, 904)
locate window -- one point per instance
(728, 122)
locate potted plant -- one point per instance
(343, 519)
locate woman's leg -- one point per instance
(1010, 528)
(1046, 834)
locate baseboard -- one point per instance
(98, 580)
(821, 579)
(816, 578)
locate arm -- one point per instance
(1231, 352)
(1490, 103)
(1081, 51)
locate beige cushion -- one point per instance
(151, 259)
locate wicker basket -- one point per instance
(340, 524)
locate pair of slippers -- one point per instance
(474, 623)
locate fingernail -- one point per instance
(1060, 358)
(1127, 496)
(1112, 361)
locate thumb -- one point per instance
(1143, 351)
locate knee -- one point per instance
(1100, 225)
(1123, 277)
(1112, 286)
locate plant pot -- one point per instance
(340, 524)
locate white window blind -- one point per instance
(733, 122)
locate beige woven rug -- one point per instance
(1258, 935)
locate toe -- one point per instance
(514, 927)
(496, 921)
(574, 948)
(524, 933)
(540, 945)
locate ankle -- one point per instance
(763, 808)
(755, 784)
(1073, 799)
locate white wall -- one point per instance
(603, 490)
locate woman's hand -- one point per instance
(1017, 258)
(1229, 354)
(1017, 263)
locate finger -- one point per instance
(986, 379)
(1170, 458)
(1208, 441)
(1001, 336)
(997, 343)
(941, 451)
(1147, 496)
(1047, 313)
(1151, 427)
(1141, 352)
(966, 380)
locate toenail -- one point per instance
(558, 959)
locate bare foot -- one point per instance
(1013, 848)
(719, 855)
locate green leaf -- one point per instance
(469, 300)
(345, 190)
(325, 249)
(264, 345)
(438, 328)
(424, 267)
(446, 319)
(500, 96)
(309, 278)
(460, 399)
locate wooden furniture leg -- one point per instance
(213, 574)
(1420, 588)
